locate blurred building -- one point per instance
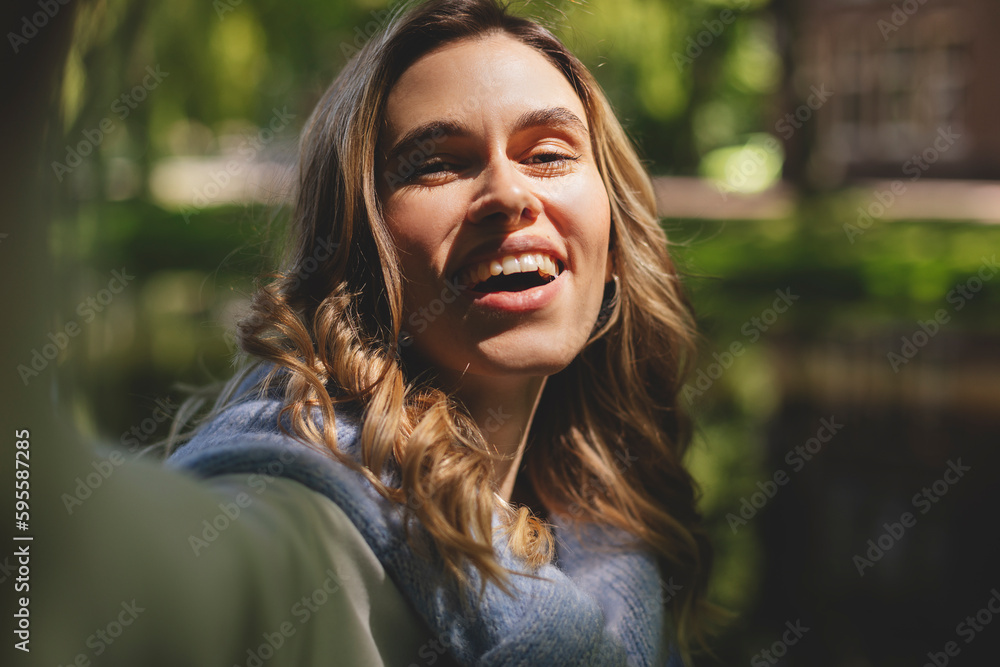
(879, 91)
(914, 88)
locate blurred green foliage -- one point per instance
(232, 60)
(896, 274)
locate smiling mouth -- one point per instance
(512, 273)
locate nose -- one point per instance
(505, 196)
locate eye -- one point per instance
(549, 157)
(433, 168)
(550, 163)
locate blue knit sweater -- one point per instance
(599, 603)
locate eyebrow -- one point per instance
(559, 117)
(427, 132)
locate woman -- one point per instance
(475, 353)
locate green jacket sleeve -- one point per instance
(153, 567)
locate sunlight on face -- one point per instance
(493, 197)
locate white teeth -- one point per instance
(508, 264)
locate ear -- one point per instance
(609, 267)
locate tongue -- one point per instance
(514, 282)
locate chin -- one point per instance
(538, 353)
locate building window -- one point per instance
(891, 96)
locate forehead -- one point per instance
(492, 77)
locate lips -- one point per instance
(510, 255)
(510, 272)
(515, 274)
(515, 301)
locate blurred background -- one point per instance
(828, 170)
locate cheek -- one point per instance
(585, 218)
(421, 230)
(418, 232)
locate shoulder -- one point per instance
(294, 539)
(251, 436)
(252, 418)
(328, 517)
(254, 407)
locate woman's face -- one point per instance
(492, 194)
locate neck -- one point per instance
(504, 409)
